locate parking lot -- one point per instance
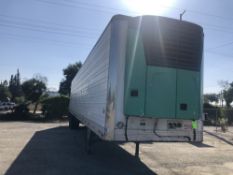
(51, 148)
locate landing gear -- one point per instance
(137, 149)
(88, 141)
(73, 122)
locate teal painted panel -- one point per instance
(135, 74)
(188, 94)
(160, 92)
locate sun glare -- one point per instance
(149, 7)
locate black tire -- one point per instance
(73, 122)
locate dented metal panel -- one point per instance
(116, 76)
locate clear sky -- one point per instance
(44, 36)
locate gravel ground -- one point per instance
(51, 148)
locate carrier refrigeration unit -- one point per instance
(142, 82)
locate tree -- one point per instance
(228, 95)
(41, 78)
(4, 83)
(212, 97)
(15, 85)
(69, 73)
(33, 89)
(224, 84)
(5, 94)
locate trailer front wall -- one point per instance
(145, 84)
(163, 69)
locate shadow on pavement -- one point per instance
(219, 137)
(60, 151)
(201, 145)
(34, 118)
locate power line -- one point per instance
(31, 28)
(46, 27)
(216, 27)
(220, 46)
(75, 28)
(62, 4)
(48, 22)
(79, 4)
(76, 4)
(81, 33)
(72, 2)
(218, 30)
(74, 44)
(71, 43)
(86, 4)
(24, 38)
(220, 54)
(72, 32)
(210, 15)
(84, 31)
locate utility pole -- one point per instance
(181, 15)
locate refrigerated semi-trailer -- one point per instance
(142, 81)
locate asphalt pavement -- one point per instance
(28, 148)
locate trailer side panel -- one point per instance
(89, 87)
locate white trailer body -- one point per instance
(99, 91)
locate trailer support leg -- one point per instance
(137, 149)
(88, 141)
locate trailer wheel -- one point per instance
(73, 122)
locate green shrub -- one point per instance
(222, 119)
(5, 94)
(19, 100)
(21, 111)
(223, 124)
(229, 115)
(55, 107)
